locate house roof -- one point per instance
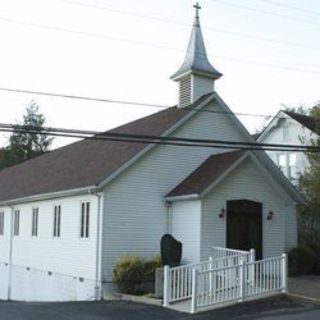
(309, 122)
(84, 163)
(207, 173)
(255, 136)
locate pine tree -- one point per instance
(26, 145)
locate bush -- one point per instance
(150, 268)
(301, 261)
(128, 273)
(316, 258)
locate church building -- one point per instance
(68, 215)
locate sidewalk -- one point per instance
(306, 287)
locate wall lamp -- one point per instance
(222, 213)
(270, 215)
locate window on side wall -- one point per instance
(1, 223)
(282, 163)
(57, 221)
(285, 133)
(16, 222)
(293, 166)
(85, 220)
(34, 224)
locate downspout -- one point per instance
(10, 254)
(169, 217)
(98, 284)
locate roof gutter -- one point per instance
(50, 195)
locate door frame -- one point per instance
(261, 214)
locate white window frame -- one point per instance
(16, 223)
(84, 223)
(1, 223)
(293, 174)
(35, 222)
(56, 231)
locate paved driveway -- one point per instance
(276, 309)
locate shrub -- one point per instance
(301, 261)
(150, 268)
(316, 258)
(128, 273)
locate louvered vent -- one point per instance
(185, 92)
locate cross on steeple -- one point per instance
(197, 7)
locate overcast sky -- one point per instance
(129, 56)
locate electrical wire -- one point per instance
(139, 138)
(154, 45)
(279, 15)
(134, 103)
(183, 24)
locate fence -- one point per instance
(30, 284)
(178, 280)
(257, 278)
(219, 253)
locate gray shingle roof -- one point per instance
(84, 163)
(309, 122)
(210, 170)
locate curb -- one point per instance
(302, 297)
(139, 299)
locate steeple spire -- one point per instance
(196, 64)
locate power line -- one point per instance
(134, 103)
(279, 15)
(152, 45)
(183, 24)
(139, 138)
(287, 6)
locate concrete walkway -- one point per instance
(307, 287)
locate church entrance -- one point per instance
(244, 226)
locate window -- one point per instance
(56, 221)
(285, 132)
(85, 220)
(293, 166)
(16, 222)
(282, 162)
(1, 223)
(34, 224)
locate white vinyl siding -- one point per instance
(16, 223)
(186, 228)
(201, 86)
(85, 220)
(57, 221)
(34, 223)
(135, 214)
(1, 223)
(64, 255)
(248, 182)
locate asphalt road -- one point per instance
(275, 309)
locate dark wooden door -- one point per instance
(244, 226)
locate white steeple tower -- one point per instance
(196, 76)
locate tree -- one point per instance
(309, 215)
(26, 145)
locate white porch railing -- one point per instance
(238, 283)
(218, 253)
(178, 281)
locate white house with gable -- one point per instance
(290, 128)
(68, 215)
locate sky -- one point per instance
(267, 50)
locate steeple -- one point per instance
(196, 76)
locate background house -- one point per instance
(290, 128)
